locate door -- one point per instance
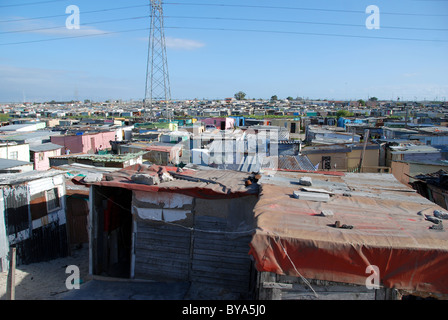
(77, 214)
(293, 127)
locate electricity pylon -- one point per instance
(157, 78)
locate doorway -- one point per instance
(111, 232)
(293, 127)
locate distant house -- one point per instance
(157, 153)
(220, 123)
(15, 151)
(15, 166)
(344, 157)
(98, 160)
(32, 138)
(85, 142)
(412, 152)
(32, 216)
(27, 127)
(40, 155)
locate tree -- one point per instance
(361, 102)
(290, 98)
(274, 98)
(373, 99)
(240, 95)
(343, 114)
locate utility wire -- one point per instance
(29, 3)
(308, 33)
(301, 22)
(82, 24)
(223, 5)
(233, 30)
(300, 8)
(226, 19)
(65, 15)
(74, 37)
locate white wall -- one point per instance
(23, 152)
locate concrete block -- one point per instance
(327, 213)
(145, 179)
(312, 196)
(305, 181)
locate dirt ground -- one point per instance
(46, 280)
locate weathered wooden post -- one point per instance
(11, 286)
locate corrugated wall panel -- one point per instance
(220, 258)
(4, 243)
(162, 252)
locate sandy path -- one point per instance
(46, 280)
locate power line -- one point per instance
(29, 3)
(303, 22)
(74, 37)
(83, 12)
(235, 30)
(82, 24)
(300, 8)
(218, 5)
(229, 19)
(309, 33)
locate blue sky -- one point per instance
(313, 49)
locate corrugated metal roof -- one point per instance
(17, 178)
(199, 182)
(11, 163)
(102, 157)
(45, 147)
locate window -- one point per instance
(41, 156)
(14, 155)
(326, 163)
(52, 199)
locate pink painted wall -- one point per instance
(86, 143)
(230, 122)
(44, 164)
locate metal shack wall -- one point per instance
(182, 238)
(40, 239)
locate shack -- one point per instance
(156, 223)
(32, 216)
(331, 238)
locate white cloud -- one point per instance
(28, 27)
(410, 75)
(183, 44)
(179, 43)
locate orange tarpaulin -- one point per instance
(389, 231)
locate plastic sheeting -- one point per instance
(389, 231)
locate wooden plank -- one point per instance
(228, 283)
(221, 273)
(232, 249)
(169, 242)
(11, 285)
(162, 258)
(215, 265)
(230, 255)
(286, 295)
(234, 261)
(163, 232)
(167, 251)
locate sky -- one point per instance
(321, 49)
